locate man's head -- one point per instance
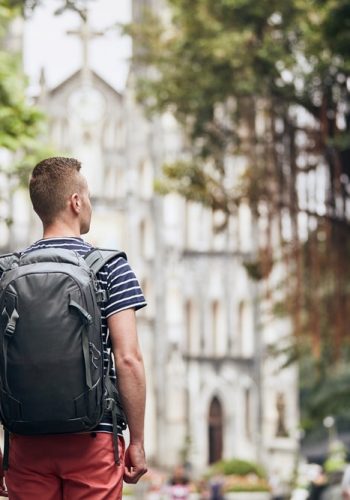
(59, 192)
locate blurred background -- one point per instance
(215, 140)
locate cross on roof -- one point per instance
(86, 35)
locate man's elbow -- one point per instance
(129, 361)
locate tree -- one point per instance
(26, 7)
(20, 122)
(268, 81)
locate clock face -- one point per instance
(88, 104)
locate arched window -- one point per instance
(145, 179)
(146, 287)
(245, 341)
(218, 341)
(241, 308)
(215, 325)
(248, 412)
(143, 238)
(218, 230)
(245, 227)
(146, 245)
(215, 431)
(192, 327)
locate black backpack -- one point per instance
(51, 354)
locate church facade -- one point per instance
(213, 391)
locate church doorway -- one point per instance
(215, 429)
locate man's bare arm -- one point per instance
(132, 388)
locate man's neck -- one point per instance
(60, 230)
(59, 237)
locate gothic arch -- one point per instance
(215, 430)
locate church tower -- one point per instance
(86, 121)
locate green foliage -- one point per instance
(324, 390)
(240, 475)
(240, 488)
(336, 460)
(222, 49)
(21, 6)
(26, 7)
(229, 53)
(195, 183)
(253, 269)
(128, 491)
(19, 122)
(238, 467)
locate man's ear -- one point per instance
(75, 202)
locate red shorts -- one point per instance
(65, 467)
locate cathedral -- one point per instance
(213, 390)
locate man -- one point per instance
(82, 466)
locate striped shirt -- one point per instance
(123, 288)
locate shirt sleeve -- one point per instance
(124, 291)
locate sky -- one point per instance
(48, 46)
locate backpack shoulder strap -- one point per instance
(7, 260)
(98, 257)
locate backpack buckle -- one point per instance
(110, 404)
(11, 324)
(101, 296)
